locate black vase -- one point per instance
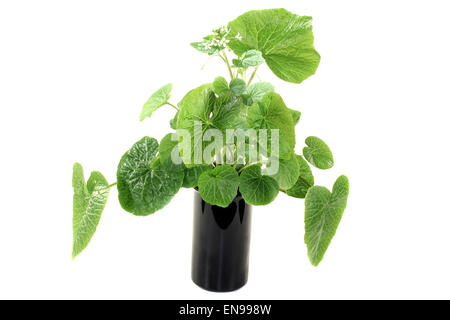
(221, 243)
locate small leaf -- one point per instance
(287, 173)
(202, 47)
(192, 174)
(255, 188)
(220, 86)
(295, 116)
(158, 99)
(144, 185)
(219, 186)
(250, 58)
(88, 204)
(318, 153)
(237, 86)
(304, 182)
(323, 212)
(257, 91)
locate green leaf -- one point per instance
(251, 58)
(237, 86)
(287, 173)
(295, 116)
(323, 212)
(220, 86)
(272, 113)
(255, 188)
(318, 153)
(257, 91)
(202, 47)
(158, 99)
(201, 105)
(169, 145)
(88, 204)
(285, 40)
(226, 110)
(173, 122)
(192, 174)
(304, 182)
(144, 185)
(219, 186)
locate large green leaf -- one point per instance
(287, 173)
(88, 204)
(304, 182)
(158, 99)
(256, 188)
(202, 107)
(285, 40)
(219, 186)
(318, 153)
(323, 212)
(256, 92)
(145, 185)
(272, 113)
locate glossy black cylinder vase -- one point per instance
(221, 243)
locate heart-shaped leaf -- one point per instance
(255, 188)
(304, 182)
(158, 99)
(323, 212)
(192, 174)
(256, 92)
(285, 40)
(237, 86)
(145, 185)
(287, 173)
(272, 113)
(88, 204)
(318, 153)
(219, 186)
(201, 107)
(220, 86)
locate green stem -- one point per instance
(112, 185)
(248, 165)
(225, 59)
(252, 76)
(176, 108)
(306, 182)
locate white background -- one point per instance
(75, 74)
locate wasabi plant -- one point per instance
(228, 136)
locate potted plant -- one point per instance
(233, 142)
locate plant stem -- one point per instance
(225, 59)
(112, 185)
(252, 76)
(248, 165)
(176, 108)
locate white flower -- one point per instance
(238, 36)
